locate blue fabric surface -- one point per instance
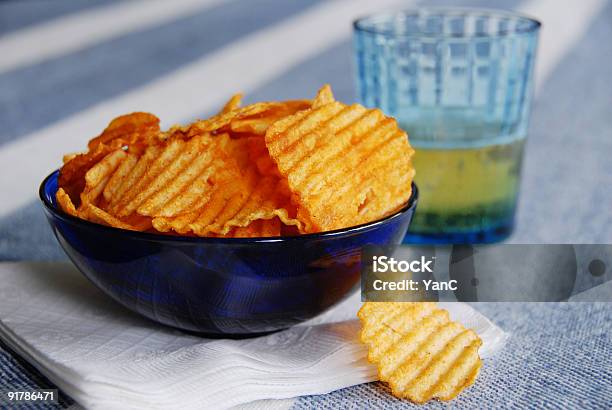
(18, 375)
(559, 355)
(567, 172)
(62, 86)
(16, 14)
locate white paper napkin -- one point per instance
(106, 357)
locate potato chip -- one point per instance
(232, 104)
(72, 174)
(261, 110)
(259, 199)
(176, 157)
(241, 194)
(292, 106)
(133, 130)
(234, 200)
(223, 119)
(259, 124)
(136, 127)
(119, 176)
(138, 222)
(190, 186)
(418, 350)
(346, 165)
(95, 214)
(260, 170)
(250, 231)
(249, 200)
(98, 176)
(256, 126)
(65, 202)
(226, 189)
(238, 149)
(126, 187)
(270, 227)
(259, 228)
(251, 151)
(172, 190)
(70, 157)
(324, 96)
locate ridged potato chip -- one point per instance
(72, 174)
(418, 350)
(224, 119)
(259, 124)
(137, 127)
(65, 202)
(270, 227)
(119, 176)
(324, 96)
(95, 214)
(234, 203)
(121, 187)
(131, 132)
(260, 198)
(162, 176)
(252, 151)
(98, 176)
(346, 165)
(196, 186)
(259, 228)
(70, 157)
(232, 104)
(255, 126)
(205, 213)
(265, 169)
(92, 202)
(253, 118)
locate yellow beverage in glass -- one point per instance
(468, 175)
(463, 189)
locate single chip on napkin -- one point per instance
(418, 350)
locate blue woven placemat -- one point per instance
(16, 374)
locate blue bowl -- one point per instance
(227, 287)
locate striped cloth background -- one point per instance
(68, 67)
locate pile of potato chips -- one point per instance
(265, 169)
(418, 350)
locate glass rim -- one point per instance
(360, 23)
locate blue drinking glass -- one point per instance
(460, 82)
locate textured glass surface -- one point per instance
(459, 81)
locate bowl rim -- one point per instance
(337, 233)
